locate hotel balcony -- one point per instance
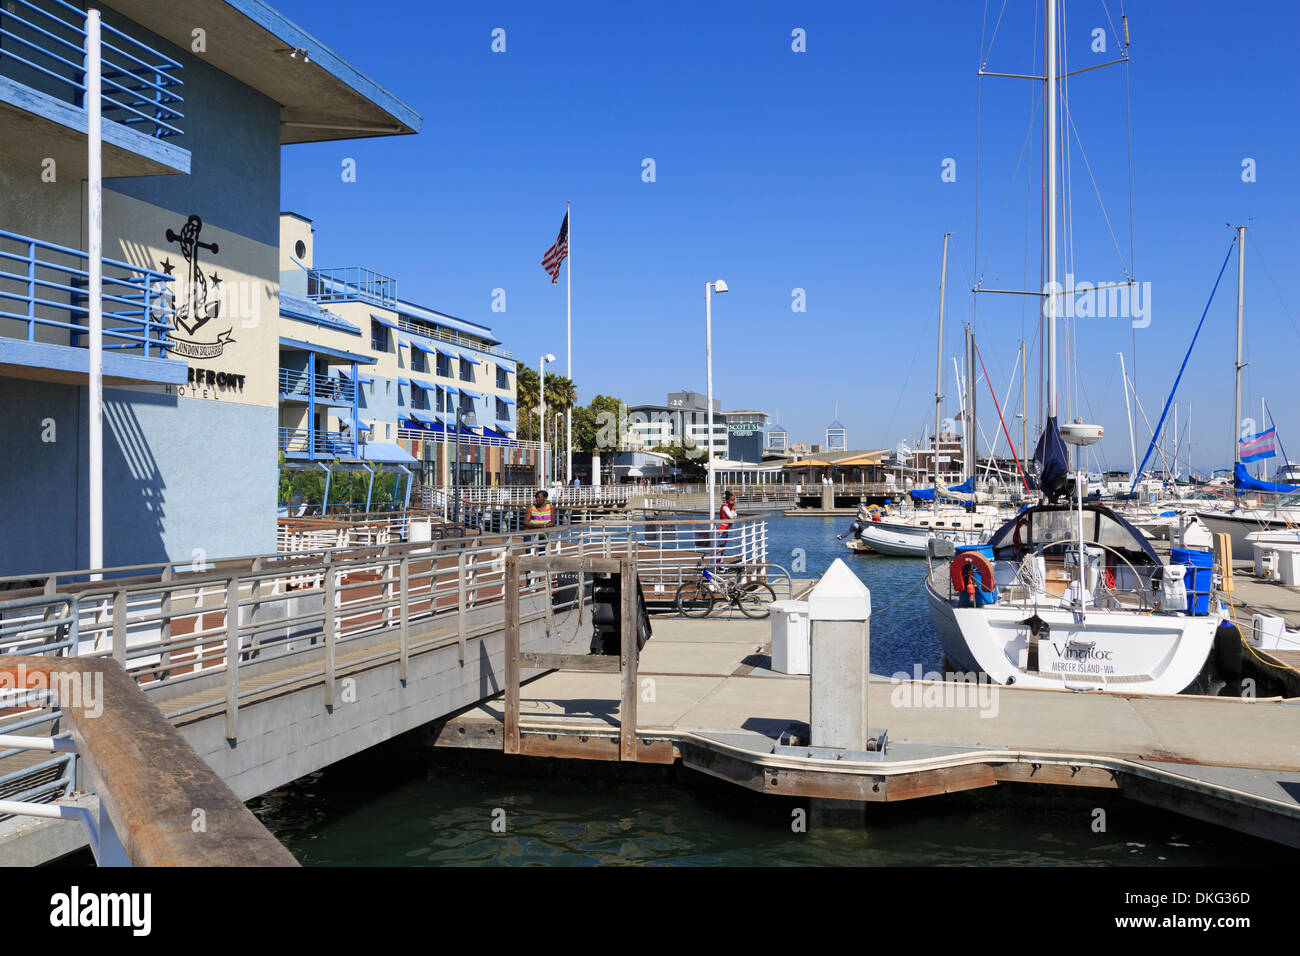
(44, 313)
(43, 94)
(352, 284)
(316, 443)
(298, 386)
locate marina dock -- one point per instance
(711, 702)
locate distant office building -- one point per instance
(682, 420)
(837, 437)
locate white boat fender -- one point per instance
(1227, 652)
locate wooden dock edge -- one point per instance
(167, 806)
(1175, 790)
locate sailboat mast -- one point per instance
(1049, 172)
(938, 370)
(1128, 413)
(968, 461)
(1241, 314)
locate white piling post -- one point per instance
(94, 300)
(839, 612)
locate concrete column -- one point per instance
(839, 609)
(828, 497)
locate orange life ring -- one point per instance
(962, 581)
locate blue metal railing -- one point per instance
(44, 46)
(43, 284)
(323, 444)
(336, 391)
(350, 284)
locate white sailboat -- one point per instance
(1070, 595)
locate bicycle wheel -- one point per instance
(694, 598)
(754, 599)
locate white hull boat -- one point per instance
(1029, 618)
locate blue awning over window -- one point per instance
(423, 348)
(424, 385)
(387, 453)
(466, 391)
(508, 401)
(424, 419)
(327, 351)
(385, 322)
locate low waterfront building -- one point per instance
(196, 106)
(950, 460)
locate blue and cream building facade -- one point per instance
(369, 377)
(198, 99)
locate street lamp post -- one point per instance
(541, 393)
(709, 288)
(464, 419)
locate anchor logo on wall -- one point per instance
(196, 311)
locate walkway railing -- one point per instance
(37, 625)
(43, 287)
(44, 46)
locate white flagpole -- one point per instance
(94, 293)
(568, 462)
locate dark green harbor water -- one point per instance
(406, 805)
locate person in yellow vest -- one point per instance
(540, 513)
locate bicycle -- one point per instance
(696, 597)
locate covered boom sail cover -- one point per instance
(1242, 481)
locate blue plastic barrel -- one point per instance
(981, 549)
(1199, 577)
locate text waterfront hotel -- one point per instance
(224, 346)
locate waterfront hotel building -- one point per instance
(370, 380)
(198, 97)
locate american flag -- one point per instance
(555, 255)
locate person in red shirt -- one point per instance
(726, 515)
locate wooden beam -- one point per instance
(169, 808)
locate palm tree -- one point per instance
(527, 394)
(560, 393)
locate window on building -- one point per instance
(466, 371)
(380, 340)
(503, 378)
(444, 366)
(388, 430)
(503, 411)
(419, 362)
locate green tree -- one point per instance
(688, 459)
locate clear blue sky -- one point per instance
(821, 171)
